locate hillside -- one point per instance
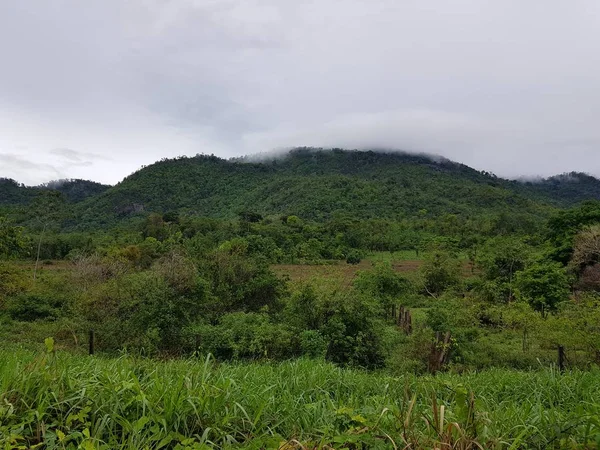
(313, 184)
(565, 189)
(13, 193)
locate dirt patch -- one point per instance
(344, 273)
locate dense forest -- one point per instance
(386, 262)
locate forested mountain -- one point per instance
(13, 193)
(566, 189)
(311, 183)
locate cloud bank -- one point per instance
(97, 89)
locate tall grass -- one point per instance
(59, 401)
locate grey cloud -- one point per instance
(18, 167)
(76, 156)
(29, 171)
(512, 87)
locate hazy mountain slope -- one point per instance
(76, 190)
(13, 193)
(566, 189)
(310, 183)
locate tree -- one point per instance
(500, 261)
(586, 250)
(543, 285)
(585, 262)
(352, 332)
(12, 242)
(155, 227)
(440, 271)
(383, 284)
(241, 283)
(563, 228)
(353, 257)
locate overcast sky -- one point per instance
(95, 89)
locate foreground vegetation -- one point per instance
(58, 401)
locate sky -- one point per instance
(96, 89)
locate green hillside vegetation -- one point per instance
(384, 275)
(311, 184)
(314, 184)
(13, 193)
(566, 189)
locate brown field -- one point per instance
(342, 273)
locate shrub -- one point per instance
(30, 307)
(353, 257)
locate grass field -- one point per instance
(61, 401)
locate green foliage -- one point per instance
(244, 336)
(303, 309)
(544, 285)
(383, 284)
(30, 307)
(182, 267)
(353, 257)
(500, 261)
(309, 184)
(147, 310)
(131, 403)
(352, 332)
(440, 271)
(564, 225)
(12, 241)
(240, 283)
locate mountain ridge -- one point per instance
(316, 184)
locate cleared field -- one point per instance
(343, 273)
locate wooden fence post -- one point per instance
(561, 358)
(440, 351)
(92, 339)
(404, 320)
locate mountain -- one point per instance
(76, 190)
(310, 183)
(13, 193)
(313, 184)
(566, 189)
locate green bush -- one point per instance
(30, 307)
(353, 257)
(245, 336)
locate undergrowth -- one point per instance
(62, 401)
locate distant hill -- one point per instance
(310, 183)
(313, 184)
(76, 190)
(13, 193)
(566, 189)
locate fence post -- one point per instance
(561, 358)
(440, 351)
(400, 316)
(92, 339)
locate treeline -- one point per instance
(507, 291)
(279, 239)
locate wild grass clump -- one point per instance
(60, 401)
